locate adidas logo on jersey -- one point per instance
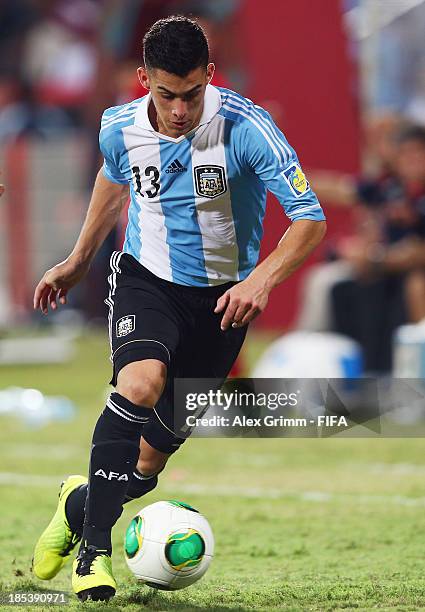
(175, 166)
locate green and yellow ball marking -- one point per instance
(184, 549)
(133, 537)
(180, 504)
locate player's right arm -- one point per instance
(106, 204)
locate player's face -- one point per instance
(411, 161)
(178, 101)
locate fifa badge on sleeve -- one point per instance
(296, 180)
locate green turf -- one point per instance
(299, 524)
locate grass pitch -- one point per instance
(299, 524)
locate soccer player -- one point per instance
(198, 161)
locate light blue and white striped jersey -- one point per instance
(198, 201)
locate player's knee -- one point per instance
(142, 392)
(141, 385)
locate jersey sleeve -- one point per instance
(109, 146)
(275, 162)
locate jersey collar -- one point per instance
(212, 104)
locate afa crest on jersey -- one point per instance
(296, 180)
(210, 181)
(125, 325)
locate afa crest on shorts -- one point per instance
(210, 181)
(296, 180)
(125, 325)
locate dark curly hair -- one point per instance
(176, 44)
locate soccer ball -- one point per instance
(168, 545)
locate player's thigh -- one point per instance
(142, 382)
(207, 351)
(212, 352)
(153, 335)
(143, 326)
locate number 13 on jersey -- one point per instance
(152, 173)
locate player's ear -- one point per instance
(143, 77)
(210, 71)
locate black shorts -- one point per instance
(151, 318)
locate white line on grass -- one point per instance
(397, 468)
(65, 451)
(52, 451)
(28, 480)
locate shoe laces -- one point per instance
(85, 559)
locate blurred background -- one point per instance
(343, 79)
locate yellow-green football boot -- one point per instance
(92, 577)
(57, 541)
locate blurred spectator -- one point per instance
(416, 106)
(388, 284)
(60, 56)
(374, 185)
(15, 113)
(21, 116)
(47, 65)
(15, 19)
(399, 77)
(377, 280)
(379, 158)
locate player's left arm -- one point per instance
(249, 298)
(275, 162)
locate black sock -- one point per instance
(74, 507)
(140, 485)
(114, 456)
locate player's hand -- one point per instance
(55, 284)
(1, 190)
(242, 303)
